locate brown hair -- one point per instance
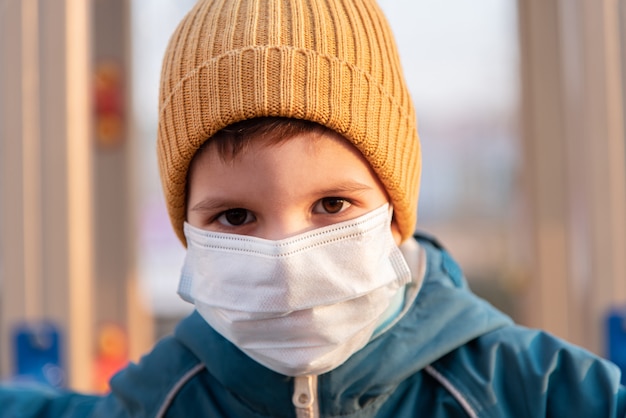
(234, 139)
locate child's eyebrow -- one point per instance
(351, 186)
(211, 204)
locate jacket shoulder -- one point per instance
(148, 388)
(516, 371)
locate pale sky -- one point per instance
(456, 51)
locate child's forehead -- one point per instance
(301, 169)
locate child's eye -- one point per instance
(235, 217)
(331, 205)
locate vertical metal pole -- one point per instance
(545, 165)
(31, 160)
(12, 244)
(575, 165)
(79, 193)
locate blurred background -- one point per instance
(521, 108)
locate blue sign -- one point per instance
(616, 339)
(37, 354)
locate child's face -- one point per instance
(275, 191)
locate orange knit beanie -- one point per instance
(333, 62)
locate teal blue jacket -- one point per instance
(450, 355)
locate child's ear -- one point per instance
(395, 231)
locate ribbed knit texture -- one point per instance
(333, 62)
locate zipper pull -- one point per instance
(304, 391)
(303, 395)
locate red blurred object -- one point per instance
(109, 105)
(111, 356)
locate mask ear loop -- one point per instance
(397, 240)
(390, 215)
(390, 211)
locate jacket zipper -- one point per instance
(305, 396)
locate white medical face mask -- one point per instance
(300, 305)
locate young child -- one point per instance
(290, 163)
